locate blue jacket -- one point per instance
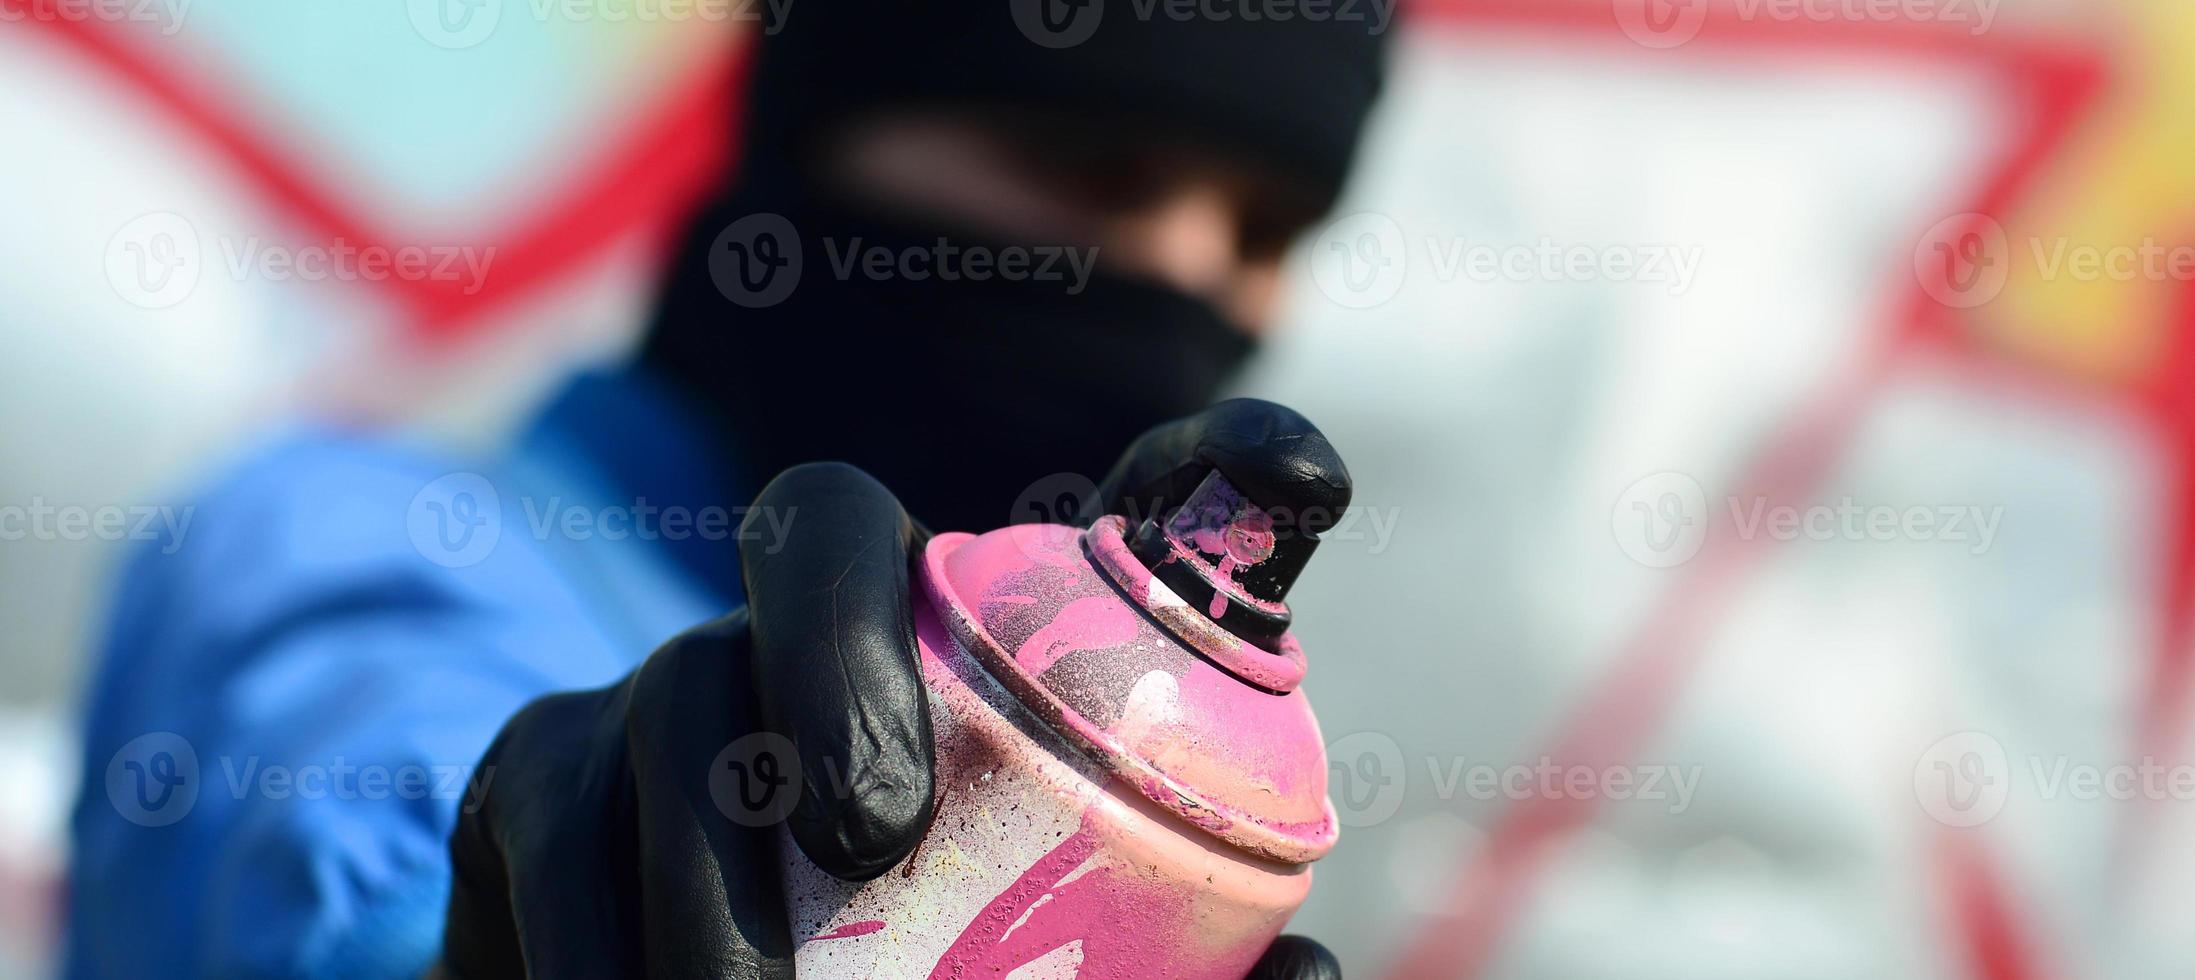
(294, 692)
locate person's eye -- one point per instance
(1095, 178)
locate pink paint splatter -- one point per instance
(1038, 914)
(1088, 623)
(851, 930)
(1220, 522)
(1245, 541)
(1249, 537)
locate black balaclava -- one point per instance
(961, 394)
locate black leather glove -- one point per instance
(601, 852)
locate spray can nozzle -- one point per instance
(1229, 557)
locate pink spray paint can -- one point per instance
(1130, 784)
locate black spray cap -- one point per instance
(1229, 557)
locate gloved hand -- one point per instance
(600, 851)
